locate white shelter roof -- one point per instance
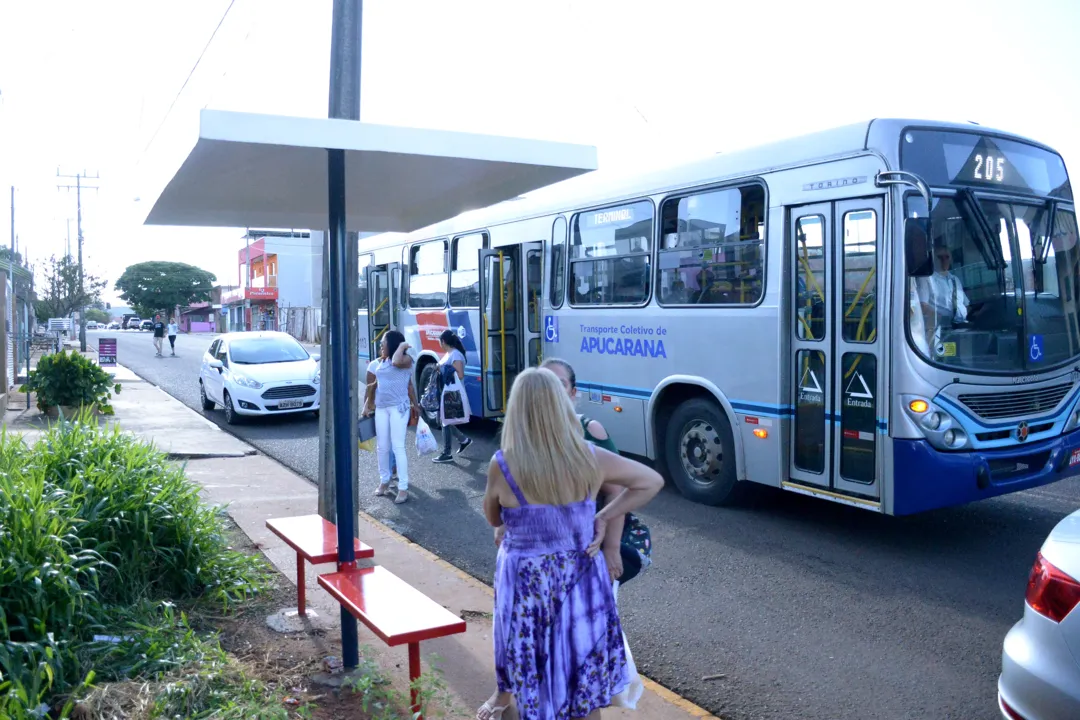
(249, 170)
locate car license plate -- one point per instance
(1075, 459)
(289, 404)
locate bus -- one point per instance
(883, 315)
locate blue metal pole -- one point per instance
(345, 104)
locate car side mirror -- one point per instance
(316, 357)
(216, 364)
(918, 251)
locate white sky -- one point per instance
(88, 84)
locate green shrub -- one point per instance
(95, 524)
(70, 379)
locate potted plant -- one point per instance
(68, 382)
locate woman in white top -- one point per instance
(394, 401)
(454, 355)
(172, 332)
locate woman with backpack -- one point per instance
(627, 544)
(451, 370)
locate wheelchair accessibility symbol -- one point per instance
(551, 329)
(1035, 348)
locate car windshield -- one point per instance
(264, 350)
(1003, 293)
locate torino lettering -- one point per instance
(629, 347)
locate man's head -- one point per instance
(942, 258)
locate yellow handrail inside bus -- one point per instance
(502, 327)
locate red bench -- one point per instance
(394, 610)
(314, 539)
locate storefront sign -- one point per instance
(106, 350)
(253, 293)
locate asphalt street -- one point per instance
(786, 607)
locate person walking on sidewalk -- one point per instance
(369, 403)
(159, 334)
(174, 330)
(558, 641)
(394, 401)
(451, 367)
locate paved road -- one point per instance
(806, 609)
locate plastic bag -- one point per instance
(368, 445)
(425, 441)
(629, 697)
(455, 408)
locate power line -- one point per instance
(188, 78)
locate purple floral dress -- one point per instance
(558, 642)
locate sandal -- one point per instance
(383, 489)
(402, 496)
(493, 713)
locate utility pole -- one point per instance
(339, 333)
(78, 228)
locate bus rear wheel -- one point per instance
(700, 453)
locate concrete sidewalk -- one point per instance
(256, 488)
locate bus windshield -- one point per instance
(1002, 296)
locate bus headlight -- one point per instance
(1074, 420)
(932, 421)
(938, 426)
(955, 438)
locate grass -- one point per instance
(100, 536)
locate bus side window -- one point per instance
(427, 275)
(465, 270)
(713, 252)
(610, 252)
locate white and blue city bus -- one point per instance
(790, 315)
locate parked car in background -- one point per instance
(147, 325)
(259, 373)
(132, 323)
(1040, 663)
(91, 325)
(114, 325)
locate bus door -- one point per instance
(511, 286)
(379, 307)
(839, 373)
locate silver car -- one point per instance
(1040, 664)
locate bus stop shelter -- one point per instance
(247, 170)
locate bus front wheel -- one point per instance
(700, 453)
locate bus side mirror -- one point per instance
(918, 251)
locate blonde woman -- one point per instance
(558, 643)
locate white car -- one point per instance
(257, 374)
(1040, 663)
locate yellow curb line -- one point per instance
(652, 686)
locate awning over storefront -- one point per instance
(249, 170)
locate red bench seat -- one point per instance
(395, 611)
(314, 539)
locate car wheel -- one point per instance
(700, 453)
(432, 419)
(207, 403)
(231, 416)
(315, 414)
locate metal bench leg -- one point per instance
(301, 587)
(414, 675)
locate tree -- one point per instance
(153, 287)
(58, 294)
(97, 315)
